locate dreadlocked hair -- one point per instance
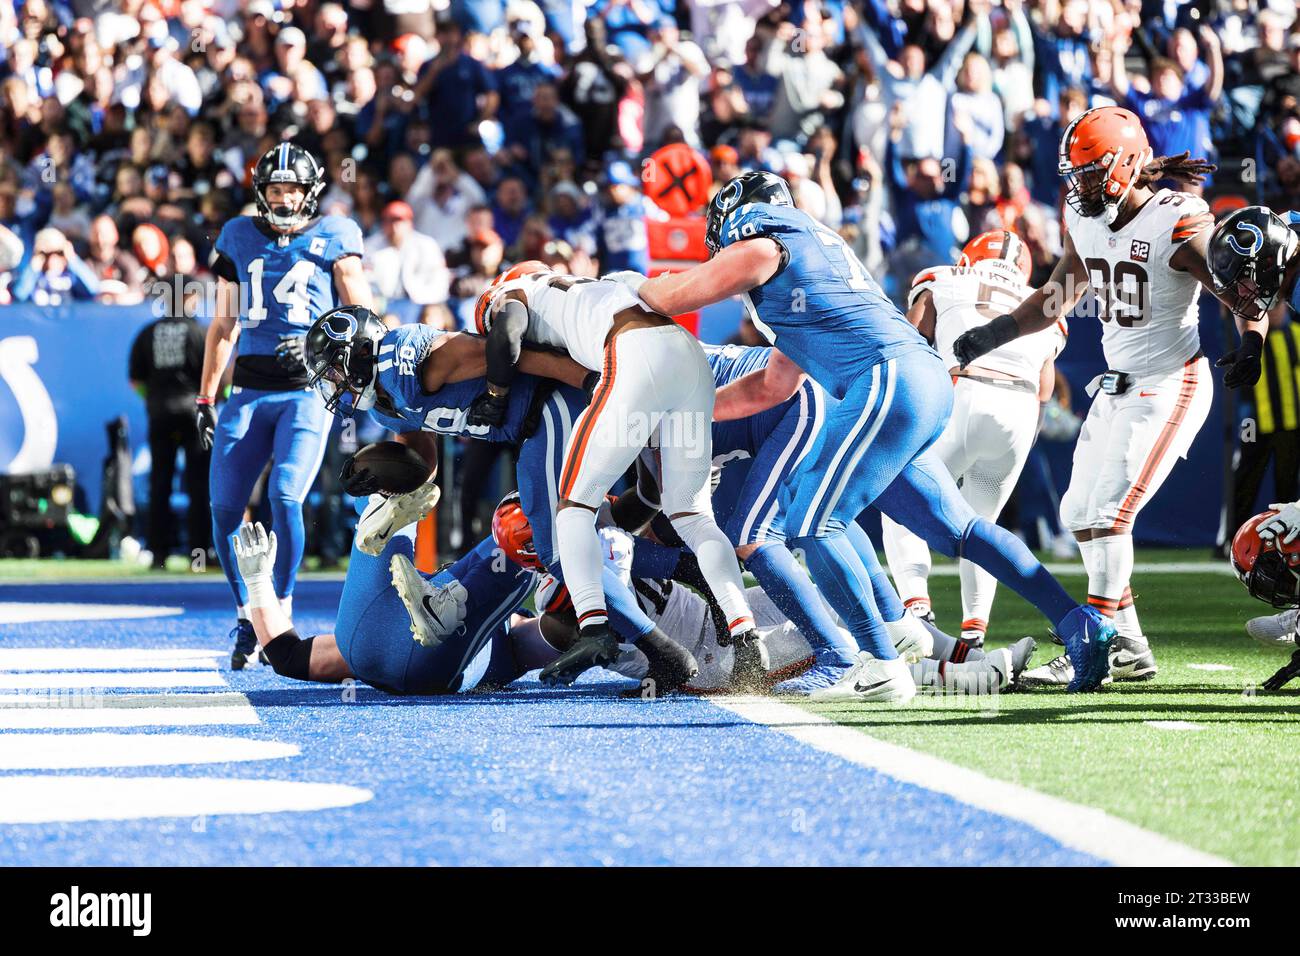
(1181, 167)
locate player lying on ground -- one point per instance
(655, 387)
(416, 379)
(811, 297)
(1141, 251)
(276, 273)
(995, 412)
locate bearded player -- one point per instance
(276, 273)
(995, 407)
(1141, 251)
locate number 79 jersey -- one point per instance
(286, 282)
(822, 309)
(1147, 308)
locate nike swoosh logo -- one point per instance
(1146, 394)
(430, 611)
(862, 690)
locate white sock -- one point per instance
(1109, 572)
(717, 560)
(909, 564)
(581, 560)
(977, 590)
(1126, 618)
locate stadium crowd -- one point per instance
(464, 134)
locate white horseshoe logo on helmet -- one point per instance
(1257, 239)
(347, 334)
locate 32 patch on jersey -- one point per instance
(1141, 251)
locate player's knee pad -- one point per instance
(290, 655)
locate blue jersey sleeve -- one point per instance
(344, 238)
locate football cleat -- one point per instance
(1087, 637)
(247, 651)
(671, 665)
(596, 647)
(749, 669)
(384, 517)
(1057, 671)
(1131, 660)
(1275, 630)
(872, 680)
(827, 670)
(911, 638)
(436, 611)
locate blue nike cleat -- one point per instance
(1087, 637)
(828, 670)
(246, 649)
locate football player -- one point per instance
(1266, 557)
(809, 295)
(995, 407)
(1141, 251)
(655, 388)
(276, 273)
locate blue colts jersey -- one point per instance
(409, 408)
(822, 308)
(286, 281)
(742, 437)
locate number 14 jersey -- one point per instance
(1148, 309)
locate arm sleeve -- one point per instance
(949, 63)
(505, 341)
(137, 365)
(223, 267)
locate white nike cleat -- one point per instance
(1275, 630)
(872, 680)
(1058, 670)
(911, 638)
(436, 610)
(384, 517)
(1131, 659)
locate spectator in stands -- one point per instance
(458, 91)
(54, 274)
(809, 80)
(404, 264)
(546, 127)
(756, 85)
(509, 209)
(441, 197)
(518, 81)
(619, 222)
(671, 74)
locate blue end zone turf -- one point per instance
(527, 776)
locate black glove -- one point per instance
(289, 355)
(983, 339)
(1285, 674)
(489, 409)
(1242, 363)
(358, 481)
(205, 419)
(589, 385)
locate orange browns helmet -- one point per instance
(1269, 569)
(482, 321)
(1102, 153)
(998, 245)
(513, 534)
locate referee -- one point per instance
(165, 364)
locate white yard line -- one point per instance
(1079, 827)
(948, 569)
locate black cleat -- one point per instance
(671, 665)
(1285, 675)
(246, 649)
(749, 672)
(595, 647)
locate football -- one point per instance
(386, 467)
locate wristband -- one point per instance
(203, 400)
(261, 592)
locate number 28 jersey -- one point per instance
(966, 297)
(1148, 309)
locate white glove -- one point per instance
(1285, 525)
(633, 280)
(255, 556)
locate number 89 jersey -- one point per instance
(822, 309)
(1148, 309)
(286, 283)
(966, 297)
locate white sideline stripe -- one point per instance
(1079, 827)
(23, 711)
(30, 612)
(82, 751)
(125, 658)
(1076, 567)
(107, 679)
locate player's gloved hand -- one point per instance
(983, 339)
(490, 407)
(255, 557)
(1285, 674)
(358, 480)
(1243, 363)
(205, 418)
(589, 384)
(290, 354)
(1285, 525)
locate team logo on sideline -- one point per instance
(1256, 239)
(1141, 251)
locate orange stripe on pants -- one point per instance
(1128, 509)
(572, 464)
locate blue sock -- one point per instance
(795, 596)
(834, 564)
(290, 542)
(225, 522)
(887, 599)
(1005, 556)
(653, 560)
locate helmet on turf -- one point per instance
(342, 356)
(1269, 569)
(1102, 154)
(1248, 255)
(998, 245)
(513, 534)
(483, 307)
(289, 164)
(750, 187)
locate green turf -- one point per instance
(1228, 789)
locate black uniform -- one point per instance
(167, 359)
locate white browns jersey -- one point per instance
(572, 313)
(1147, 308)
(967, 296)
